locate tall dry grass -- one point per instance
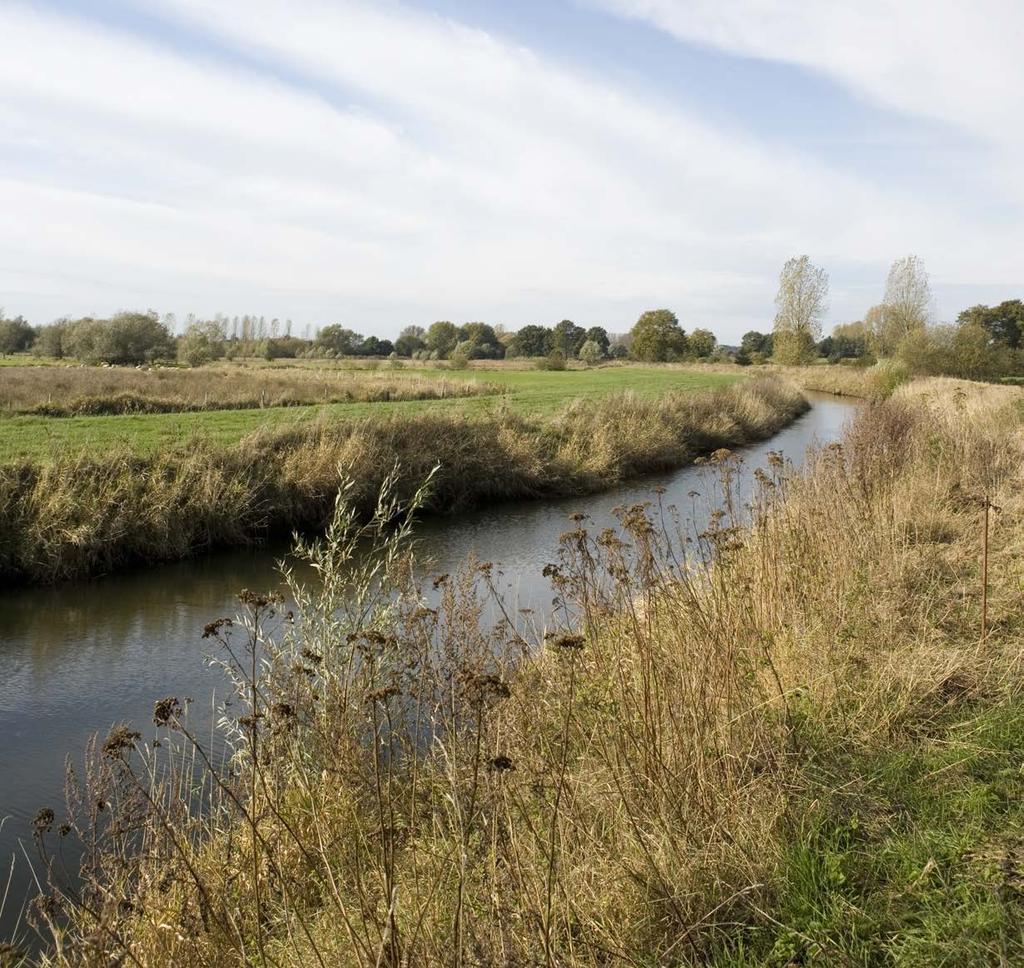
(874, 382)
(63, 391)
(83, 515)
(414, 786)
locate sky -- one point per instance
(378, 164)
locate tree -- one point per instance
(905, 309)
(531, 340)
(337, 341)
(442, 338)
(848, 341)
(755, 342)
(372, 346)
(963, 351)
(657, 337)
(128, 337)
(702, 343)
(16, 335)
(800, 304)
(483, 342)
(1003, 323)
(591, 353)
(568, 337)
(599, 335)
(410, 340)
(201, 343)
(50, 340)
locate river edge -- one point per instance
(83, 518)
(765, 805)
(135, 635)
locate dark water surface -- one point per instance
(79, 657)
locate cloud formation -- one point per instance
(378, 164)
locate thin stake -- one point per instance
(984, 571)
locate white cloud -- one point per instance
(942, 58)
(950, 61)
(411, 168)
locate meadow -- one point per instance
(808, 753)
(210, 403)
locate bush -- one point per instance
(15, 335)
(794, 348)
(200, 344)
(590, 353)
(888, 375)
(555, 360)
(124, 338)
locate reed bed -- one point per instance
(65, 391)
(84, 515)
(869, 382)
(413, 785)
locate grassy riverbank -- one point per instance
(808, 755)
(79, 514)
(149, 411)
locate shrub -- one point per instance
(201, 343)
(124, 338)
(590, 353)
(555, 360)
(15, 335)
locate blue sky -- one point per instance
(382, 163)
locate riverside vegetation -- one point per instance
(90, 510)
(808, 752)
(375, 391)
(66, 391)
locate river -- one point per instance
(78, 657)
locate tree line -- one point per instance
(145, 337)
(985, 342)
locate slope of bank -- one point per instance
(83, 515)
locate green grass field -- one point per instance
(530, 391)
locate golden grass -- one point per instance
(414, 786)
(872, 382)
(62, 391)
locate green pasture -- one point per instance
(526, 391)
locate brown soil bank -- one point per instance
(83, 515)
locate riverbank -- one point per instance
(81, 515)
(807, 754)
(96, 409)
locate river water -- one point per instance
(76, 658)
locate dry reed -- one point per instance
(413, 786)
(83, 515)
(63, 391)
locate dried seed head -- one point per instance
(214, 627)
(120, 740)
(481, 688)
(567, 642)
(166, 710)
(42, 823)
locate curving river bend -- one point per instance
(76, 658)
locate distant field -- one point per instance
(528, 391)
